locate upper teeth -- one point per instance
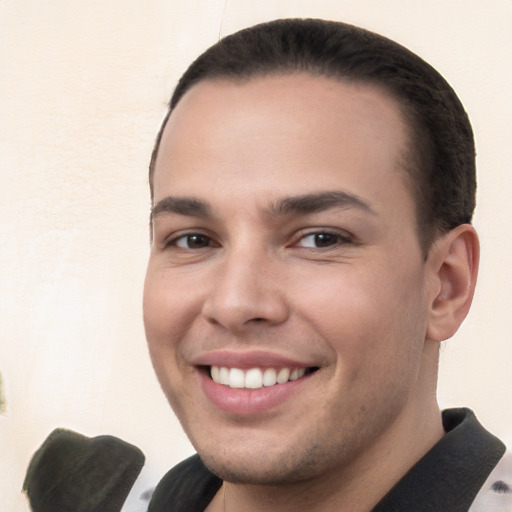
(255, 377)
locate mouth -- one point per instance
(256, 378)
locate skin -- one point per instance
(363, 306)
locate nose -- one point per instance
(246, 291)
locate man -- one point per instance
(313, 186)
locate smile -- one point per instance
(255, 378)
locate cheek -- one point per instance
(165, 322)
(167, 308)
(367, 312)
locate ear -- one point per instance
(453, 268)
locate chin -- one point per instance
(250, 473)
(262, 466)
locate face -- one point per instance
(285, 298)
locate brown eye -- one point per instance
(194, 241)
(322, 239)
(325, 239)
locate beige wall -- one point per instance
(83, 86)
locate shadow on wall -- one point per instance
(3, 404)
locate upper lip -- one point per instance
(249, 359)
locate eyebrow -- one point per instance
(182, 206)
(302, 205)
(318, 202)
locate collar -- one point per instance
(450, 474)
(446, 479)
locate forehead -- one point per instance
(283, 130)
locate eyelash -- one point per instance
(174, 242)
(339, 239)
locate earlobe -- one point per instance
(453, 261)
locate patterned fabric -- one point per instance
(496, 493)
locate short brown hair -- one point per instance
(441, 158)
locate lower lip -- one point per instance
(249, 401)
